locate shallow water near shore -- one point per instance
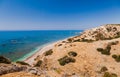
(18, 45)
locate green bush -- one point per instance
(63, 41)
(103, 69)
(70, 40)
(65, 60)
(118, 35)
(4, 60)
(114, 75)
(22, 63)
(100, 49)
(60, 45)
(87, 40)
(72, 53)
(38, 64)
(114, 43)
(78, 40)
(105, 51)
(107, 74)
(49, 52)
(109, 29)
(116, 57)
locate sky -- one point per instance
(57, 14)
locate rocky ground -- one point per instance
(94, 53)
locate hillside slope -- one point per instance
(94, 53)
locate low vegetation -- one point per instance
(78, 40)
(118, 35)
(70, 40)
(60, 45)
(87, 40)
(72, 54)
(105, 51)
(38, 64)
(49, 52)
(114, 43)
(107, 74)
(103, 69)
(58, 70)
(4, 60)
(65, 60)
(116, 57)
(22, 63)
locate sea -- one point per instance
(18, 45)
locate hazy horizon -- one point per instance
(57, 14)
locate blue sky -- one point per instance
(57, 14)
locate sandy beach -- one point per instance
(30, 59)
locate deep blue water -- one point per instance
(15, 44)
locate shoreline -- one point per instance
(31, 58)
(41, 50)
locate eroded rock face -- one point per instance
(9, 68)
(34, 70)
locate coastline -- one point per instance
(30, 58)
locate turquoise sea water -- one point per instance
(16, 44)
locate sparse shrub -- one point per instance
(22, 63)
(58, 70)
(114, 75)
(107, 74)
(100, 49)
(78, 40)
(72, 53)
(63, 41)
(118, 35)
(49, 52)
(109, 29)
(114, 43)
(87, 40)
(116, 57)
(108, 38)
(4, 60)
(70, 40)
(65, 60)
(103, 69)
(105, 51)
(38, 64)
(108, 48)
(60, 45)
